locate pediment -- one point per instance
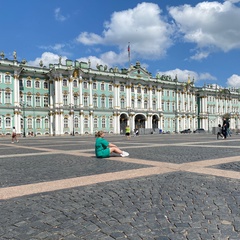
(138, 72)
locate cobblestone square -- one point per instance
(171, 187)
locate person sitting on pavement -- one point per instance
(103, 148)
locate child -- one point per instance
(103, 148)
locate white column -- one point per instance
(128, 96)
(90, 93)
(71, 101)
(193, 102)
(177, 123)
(177, 101)
(60, 93)
(150, 97)
(159, 102)
(80, 93)
(81, 122)
(116, 96)
(142, 96)
(135, 98)
(118, 123)
(91, 122)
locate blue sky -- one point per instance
(188, 38)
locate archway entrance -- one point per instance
(123, 122)
(155, 119)
(139, 121)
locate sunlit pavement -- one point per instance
(184, 186)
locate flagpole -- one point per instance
(129, 54)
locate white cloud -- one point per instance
(200, 55)
(142, 26)
(58, 16)
(233, 1)
(90, 38)
(183, 75)
(47, 58)
(211, 25)
(234, 81)
(58, 48)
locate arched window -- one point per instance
(111, 122)
(7, 97)
(102, 86)
(7, 79)
(37, 84)
(65, 99)
(95, 102)
(94, 85)
(38, 123)
(103, 123)
(76, 122)
(122, 88)
(64, 82)
(85, 122)
(102, 102)
(139, 103)
(45, 85)
(65, 122)
(85, 101)
(29, 123)
(154, 106)
(29, 83)
(95, 122)
(46, 123)
(145, 104)
(110, 103)
(75, 83)
(8, 122)
(139, 89)
(132, 103)
(122, 103)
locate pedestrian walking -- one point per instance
(219, 133)
(127, 131)
(228, 129)
(14, 135)
(224, 128)
(103, 148)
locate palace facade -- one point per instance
(76, 98)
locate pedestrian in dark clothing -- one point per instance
(228, 129)
(219, 134)
(224, 128)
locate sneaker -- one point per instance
(12, 142)
(124, 154)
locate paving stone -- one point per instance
(172, 206)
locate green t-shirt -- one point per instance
(101, 148)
